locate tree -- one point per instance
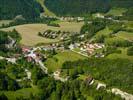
(3, 97)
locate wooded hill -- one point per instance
(27, 8)
(82, 7)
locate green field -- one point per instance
(116, 11)
(56, 61)
(122, 55)
(125, 35)
(25, 92)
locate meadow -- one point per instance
(29, 32)
(56, 61)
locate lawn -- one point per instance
(122, 55)
(56, 61)
(116, 11)
(29, 32)
(25, 92)
(125, 35)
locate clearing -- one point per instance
(29, 32)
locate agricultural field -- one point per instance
(25, 92)
(116, 11)
(56, 61)
(122, 55)
(125, 35)
(29, 32)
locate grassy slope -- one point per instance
(56, 62)
(46, 11)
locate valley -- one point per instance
(66, 50)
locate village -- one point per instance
(86, 49)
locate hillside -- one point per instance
(83, 7)
(11, 8)
(76, 7)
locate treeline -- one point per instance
(29, 9)
(19, 21)
(115, 73)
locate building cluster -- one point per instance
(90, 48)
(51, 34)
(71, 19)
(31, 54)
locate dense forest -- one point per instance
(27, 8)
(77, 7)
(82, 7)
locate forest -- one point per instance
(11, 8)
(82, 7)
(77, 7)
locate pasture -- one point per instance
(56, 61)
(29, 32)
